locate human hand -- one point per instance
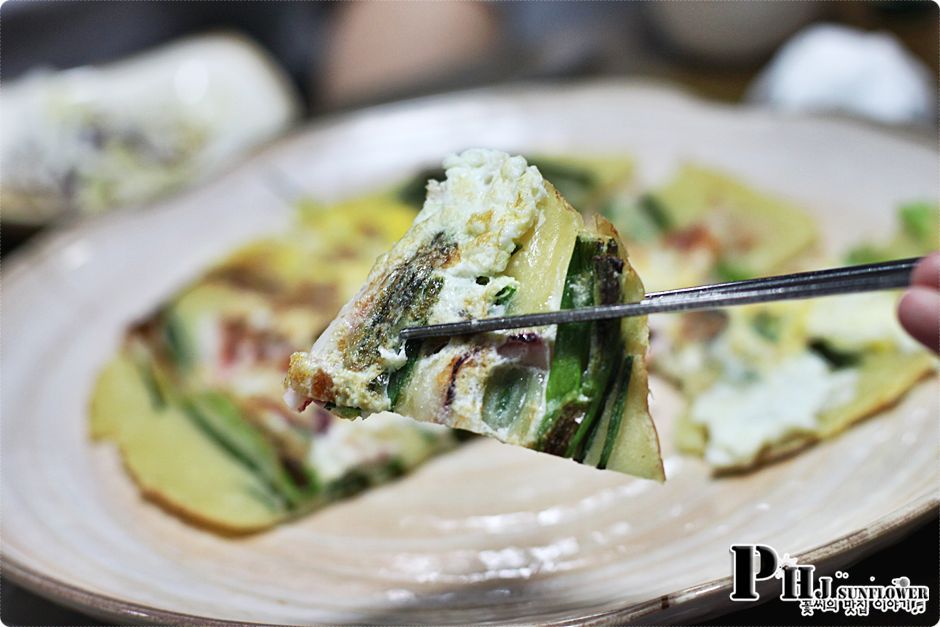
(919, 309)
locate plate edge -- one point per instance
(105, 606)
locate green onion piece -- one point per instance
(767, 325)
(835, 357)
(727, 270)
(407, 294)
(222, 421)
(563, 402)
(606, 348)
(614, 410)
(657, 213)
(505, 395)
(148, 376)
(865, 253)
(177, 342)
(576, 184)
(414, 191)
(920, 221)
(399, 379)
(504, 295)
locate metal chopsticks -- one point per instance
(847, 280)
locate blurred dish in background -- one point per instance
(723, 32)
(838, 69)
(91, 139)
(380, 49)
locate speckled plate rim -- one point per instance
(836, 553)
(665, 609)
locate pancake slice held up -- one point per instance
(496, 238)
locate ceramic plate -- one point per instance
(488, 533)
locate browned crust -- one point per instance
(321, 387)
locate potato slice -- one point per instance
(172, 461)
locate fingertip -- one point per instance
(919, 314)
(927, 272)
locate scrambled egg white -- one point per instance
(780, 373)
(743, 418)
(484, 207)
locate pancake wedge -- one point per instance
(193, 399)
(704, 226)
(772, 379)
(496, 238)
